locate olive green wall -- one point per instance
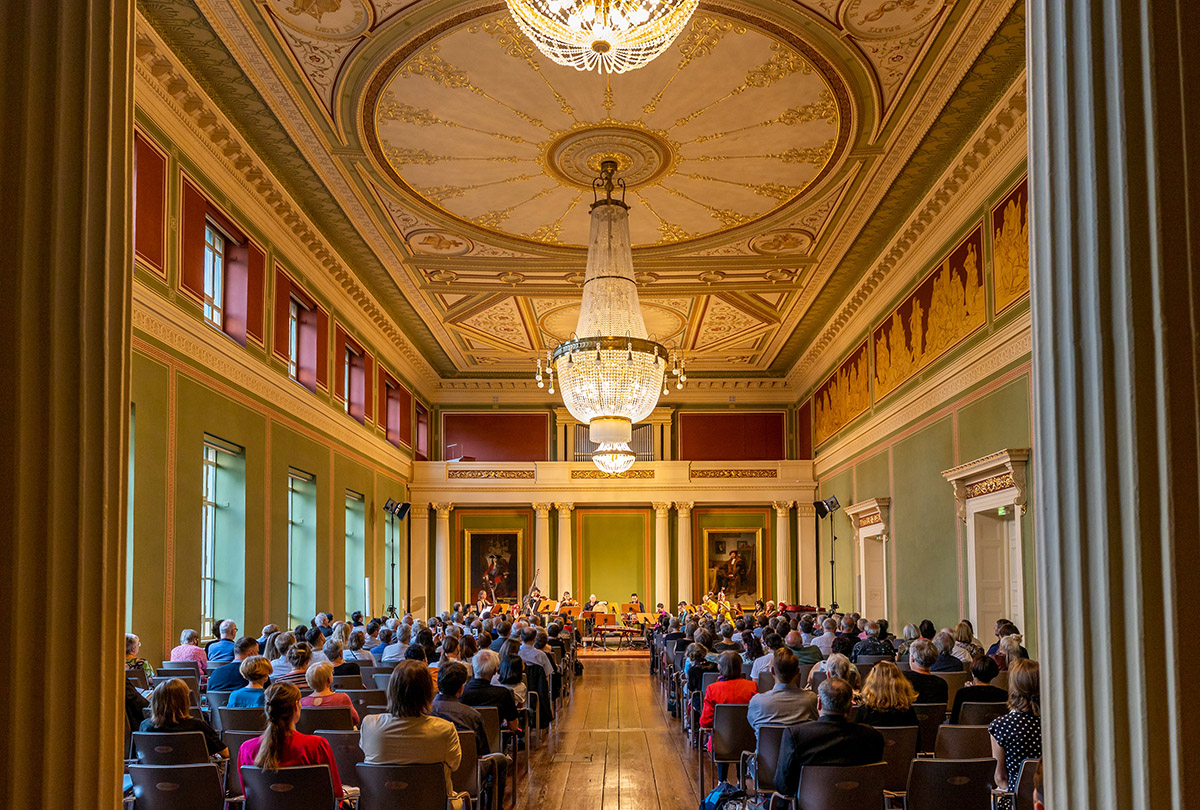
(616, 551)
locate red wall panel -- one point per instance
(149, 203)
(191, 269)
(804, 433)
(732, 436)
(256, 293)
(497, 436)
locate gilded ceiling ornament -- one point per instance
(508, 36)
(548, 233)
(432, 66)
(824, 109)
(769, 473)
(591, 475)
(390, 109)
(672, 233)
(702, 39)
(783, 63)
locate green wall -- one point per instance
(616, 552)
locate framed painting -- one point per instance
(493, 559)
(733, 563)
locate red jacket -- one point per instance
(739, 690)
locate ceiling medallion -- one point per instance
(608, 36)
(642, 156)
(610, 371)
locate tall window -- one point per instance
(302, 547)
(293, 339)
(356, 552)
(214, 276)
(347, 364)
(392, 537)
(208, 541)
(222, 533)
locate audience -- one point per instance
(946, 661)
(480, 691)
(320, 680)
(257, 671)
(133, 662)
(872, 645)
(830, 740)
(299, 657)
(965, 648)
(277, 650)
(911, 634)
(281, 745)
(1010, 652)
(764, 663)
(229, 677)
(930, 688)
(887, 698)
(531, 655)
(807, 656)
(979, 689)
(333, 653)
(222, 648)
(171, 713)
(730, 687)
(1017, 736)
(189, 650)
(824, 641)
(786, 703)
(511, 675)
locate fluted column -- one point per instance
(1114, 198)
(65, 178)
(418, 560)
(565, 549)
(683, 536)
(806, 554)
(541, 545)
(783, 548)
(662, 556)
(441, 559)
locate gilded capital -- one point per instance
(661, 509)
(564, 508)
(443, 509)
(684, 508)
(542, 509)
(782, 507)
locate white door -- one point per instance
(992, 585)
(873, 597)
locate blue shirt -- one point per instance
(226, 678)
(221, 650)
(377, 650)
(246, 698)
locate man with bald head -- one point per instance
(806, 655)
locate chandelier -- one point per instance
(611, 36)
(610, 371)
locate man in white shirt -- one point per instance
(786, 704)
(824, 642)
(763, 663)
(394, 653)
(532, 655)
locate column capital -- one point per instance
(443, 509)
(782, 507)
(420, 510)
(542, 509)
(661, 509)
(564, 508)
(684, 508)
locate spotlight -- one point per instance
(827, 506)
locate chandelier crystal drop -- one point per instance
(610, 372)
(612, 36)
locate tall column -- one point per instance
(662, 556)
(565, 558)
(1114, 196)
(418, 560)
(541, 545)
(806, 554)
(683, 536)
(441, 559)
(783, 548)
(65, 176)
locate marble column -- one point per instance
(566, 560)
(66, 179)
(806, 554)
(441, 559)
(783, 551)
(662, 557)
(541, 547)
(683, 536)
(1114, 202)
(418, 560)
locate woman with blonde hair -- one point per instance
(171, 713)
(1017, 736)
(964, 648)
(320, 679)
(1011, 651)
(281, 746)
(356, 649)
(887, 698)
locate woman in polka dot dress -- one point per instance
(1017, 736)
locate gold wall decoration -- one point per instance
(1010, 247)
(588, 475)
(523, 475)
(990, 485)
(845, 395)
(945, 307)
(735, 473)
(870, 520)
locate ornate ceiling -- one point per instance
(449, 161)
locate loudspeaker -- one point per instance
(826, 506)
(400, 510)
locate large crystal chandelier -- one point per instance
(610, 372)
(603, 35)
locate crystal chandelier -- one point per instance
(611, 36)
(610, 372)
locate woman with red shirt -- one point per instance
(730, 687)
(281, 746)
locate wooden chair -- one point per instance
(500, 741)
(368, 674)
(838, 787)
(381, 680)
(342, 683)
(962, 742)
(1021, 797)
(899, 750)
(362, 698)
(731, 735)
(980, 714)
(194, 666)
(963, 784)
(138, 678)
(331, 718)
(764, 759)
(300, 787)
(176, 748)
(929, 717)
(347, 753)
(177, 787)
(412, 787)
(234, 719)
(954, 682)
(469, 777)
(193, 684)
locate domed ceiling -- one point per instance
(768, 155)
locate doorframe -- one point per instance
(871, 519)
(1014, 556)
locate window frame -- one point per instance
(294, 307)
(208, 539)
(216, 251)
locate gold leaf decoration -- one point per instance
(782, 64)
(842, 397)
(433, 67)
(1010, 247)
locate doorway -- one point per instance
(872, 566)
(995, 560)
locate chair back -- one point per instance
(872, 660)
(174, 748)
(962, 742)
(1001, 681)
(342, 683)
(929, 717)
(491, 725)
(194, 666)
(362, 698)
(980, 714)
(233, 719)
(192, 681)
(332, 718)
(213, 701)
(234, 739)
(1024, 795)
(372, 710)
(466, 777)
(905, 665)
(381, 680)
(842, 787)
(817, 678)
(732, 733)
(747, 668)
(706, 680)
(964, 784)
(864, 669)
(138, 678)
(413, 787)
(899, 749)
(766, 681)
(299, 787)
(347, 753)
(954, 682)
(766, 756)
(677, 659)
(177, 787)
(368, 673)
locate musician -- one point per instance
(567, 601)
(483, 601)
(591, 603)
(533, 599)
(635, 604)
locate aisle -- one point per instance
(615, 746)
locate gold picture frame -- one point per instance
(735, 541)
(478, 545)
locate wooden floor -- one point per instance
(613, 745)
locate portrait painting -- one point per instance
(493, 564)
(733, 563)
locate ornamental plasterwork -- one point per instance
(871, 512)
(593, 475)
(997, 472)
(522, 475)
(735, 473)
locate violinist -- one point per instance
(483, 601)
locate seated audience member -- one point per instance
(357, 651)
(673, 632)
(1002, 626)
(772, 643)
(134, 662)
(395, 651)
(316, 643)
(171, 713)
(1010, 652)
(730, 687)
(843, 645)
(531, 655)
(830, 740)
(786, 704)
(281, 745)
(887, 698)
(267, 631)
(872, 645)
(480, 691)
(726, 642)
(946, 661)
(299, 657)
(257, 671)
(334, 654)
(511, 675)
(965, 647)
(807, 656)
(134, 703)
(216, 625)
(467, 648)
(837, 666)
(1017, 736)
(448, 705)
(229, 677)
(927, 630)
(806, 632)
(911, 634)
(385, 641)
(979, 689)
(407, 734)
(930, 688)
(276, 652)
(754, 649)
(189, 650)
(222, 648)
(824, 641)
(449, 652)
(320, 680)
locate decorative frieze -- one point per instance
(521, 475)
(735, 473)
(589, 475)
